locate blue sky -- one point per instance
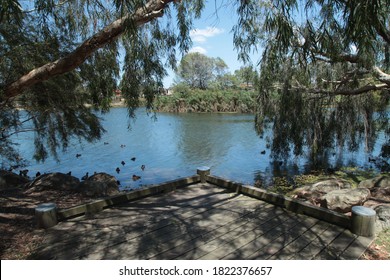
(213, 37)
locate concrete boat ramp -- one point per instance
(200, 217)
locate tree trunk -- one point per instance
(152, 9)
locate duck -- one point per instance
(106, 143)
(123, 163)
(85, 177)
(69, 173)
(122, 146)
(23, 172)
(78, 155)
(38, 174)
(262, 152)
(117, 170)
(135, 177)
(133, 158)
(142, 167)
(371, 159)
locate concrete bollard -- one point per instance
(46, 215)
(203, 171)
(363, 221)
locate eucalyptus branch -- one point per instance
(362, 90)
(150, 11)
(381, 76)
(3, 137)
(382, 31)
(332, 58)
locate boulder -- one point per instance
(382, 217)
(379, 187)
(314, 192)
(381, 194)
(374, 183)
(9, 180)
(100, 184)
(54, 181)
(343, 200)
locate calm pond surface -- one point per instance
(174, 145)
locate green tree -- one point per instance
(57, 56)
(323, 82)
(222, 76)
(247, 75)
(196, 70)
(199, 71)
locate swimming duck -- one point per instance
(133, 158)
(135, 177)
(78, 155)
(142, 167)
(123, 163)
(117, 170)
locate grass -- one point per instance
(284, 185)
(380, 248)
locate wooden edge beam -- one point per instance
(98, 205)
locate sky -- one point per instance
(212, 36)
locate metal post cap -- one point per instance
(203, 168)
(363, 211)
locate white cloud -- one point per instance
(198, 49)
(201, 35)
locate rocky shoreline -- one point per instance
(340, 195)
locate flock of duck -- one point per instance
(135, 177)
(118, 170)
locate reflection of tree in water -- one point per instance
(321, 127)
(201, 139)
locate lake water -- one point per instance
(174, 145)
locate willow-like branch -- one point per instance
(152, 10)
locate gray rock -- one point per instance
(381, 189)
(314, 192)
(100, 184)
(375, 183)
(382, 217)
(343, 200)
(55, 181)
(9, 180)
